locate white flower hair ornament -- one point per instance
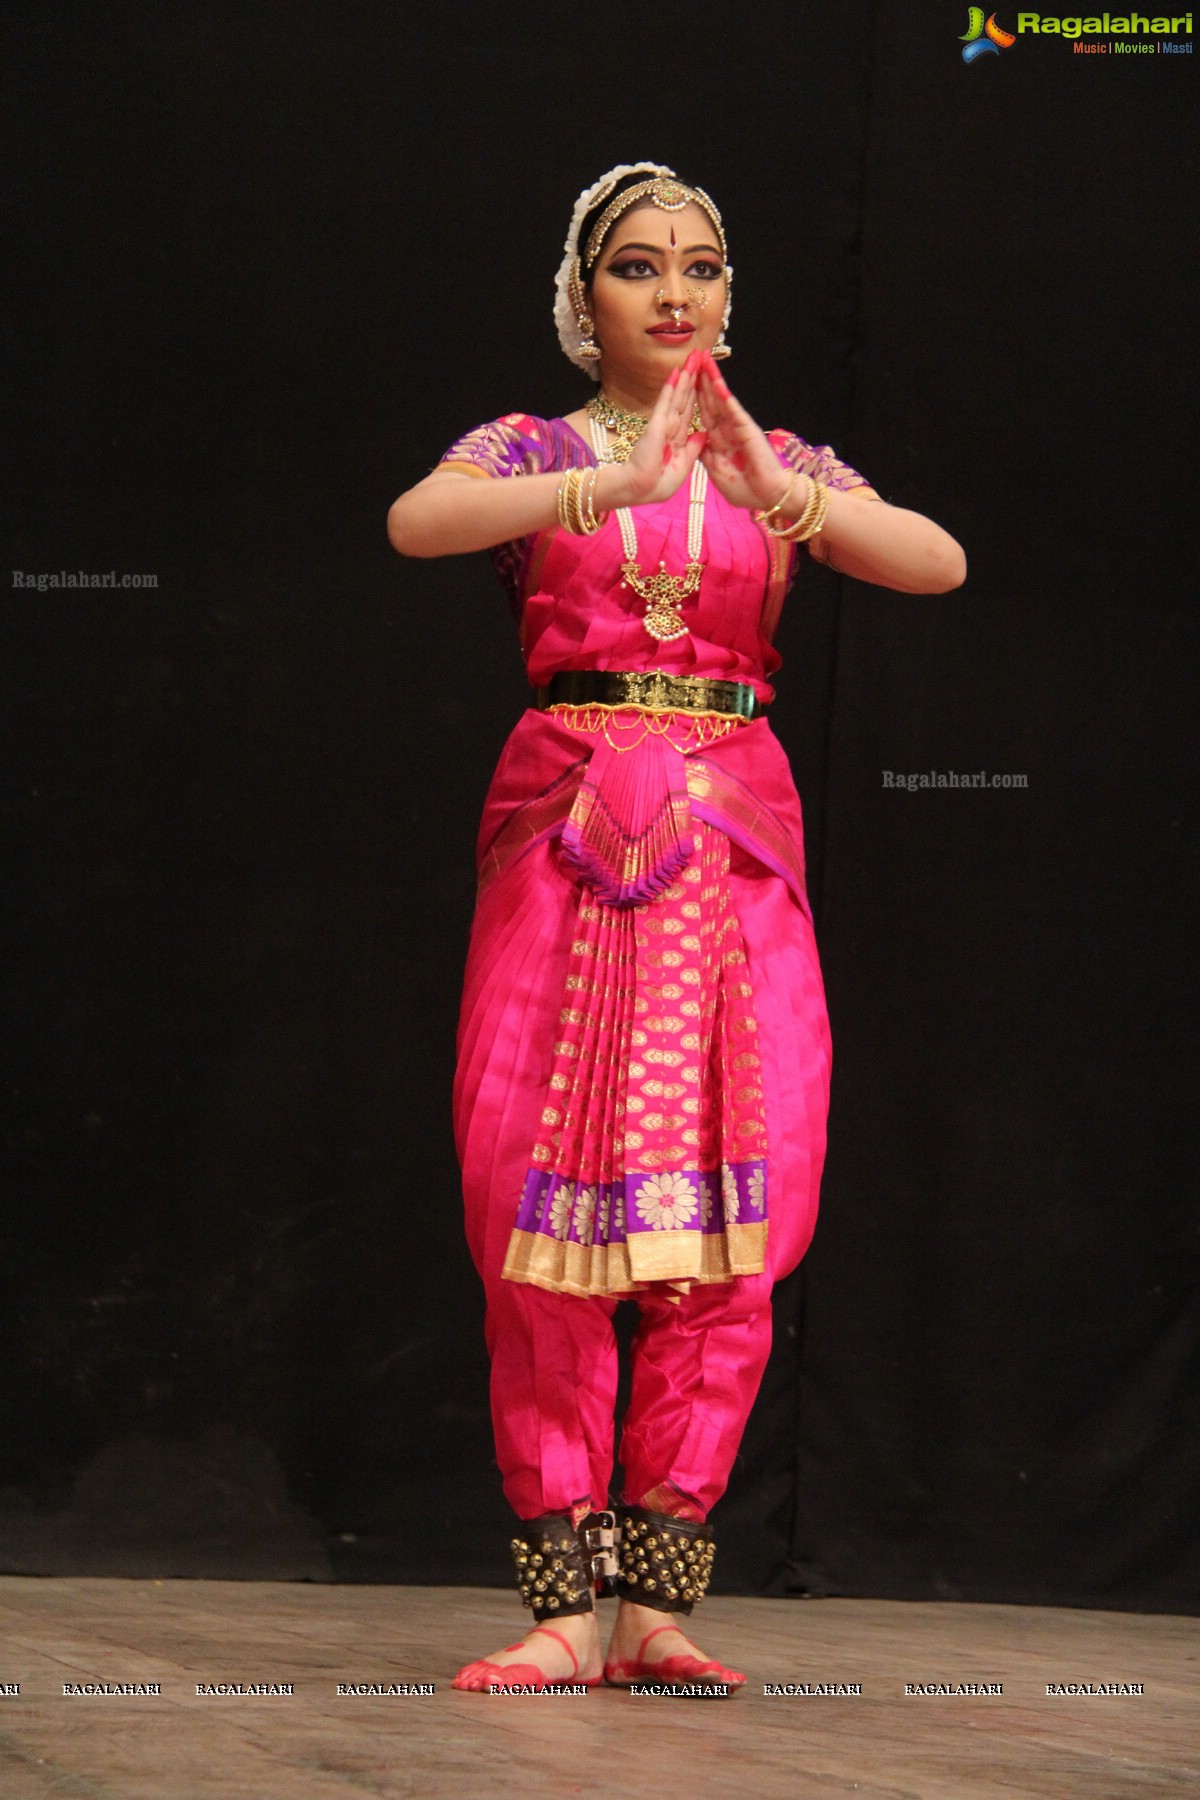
(665, 189)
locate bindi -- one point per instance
(672, 237)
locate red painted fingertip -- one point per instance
(698, 437)
(673, 377)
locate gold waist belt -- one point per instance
(650, 689)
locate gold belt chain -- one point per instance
(650, 690)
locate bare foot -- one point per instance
(647, 1645)
(565, 1650)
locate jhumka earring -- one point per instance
(721, 349)
(588, 347)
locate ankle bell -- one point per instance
(666, 1563)
(552, 1576)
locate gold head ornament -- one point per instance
(665, 192)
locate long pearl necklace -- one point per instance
(663, 593)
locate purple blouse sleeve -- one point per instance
(817, 460)
(513, 445)
(516, 444)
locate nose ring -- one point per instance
(697, 296)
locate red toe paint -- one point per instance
(694, 1669)
(476, 1677)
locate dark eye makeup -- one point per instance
(637, 267)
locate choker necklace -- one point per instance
(628, 426)
(662, 593)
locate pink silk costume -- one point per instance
(643, 1071)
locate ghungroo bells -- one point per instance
(665, 1563)
(642, 1556)
(552, 1575)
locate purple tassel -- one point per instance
(629, 832)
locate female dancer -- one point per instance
(643, 1050)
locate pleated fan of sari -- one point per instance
(629, 832)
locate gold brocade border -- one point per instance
(531, 580)
(706, 782)
(709, 783)
(533, 573)
(529, 822)
(466, 468)
(584, 1269)
(780, 553)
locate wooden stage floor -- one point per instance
(314, 1744)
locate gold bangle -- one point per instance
(593, 523)
(561, 499)
(574, 501)
(778, 506)
(802, 524)
(823, 508)
(579, 516)
(785, 531)
(571, 483)
(813, 517)
(603, 515)
(574, 513)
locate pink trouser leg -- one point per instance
(554, 1385)
(697, 1367)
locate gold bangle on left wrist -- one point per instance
(811, 518)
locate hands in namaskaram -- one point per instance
(734, 450)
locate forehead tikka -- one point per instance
(668, 194)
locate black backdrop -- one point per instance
(271, 261)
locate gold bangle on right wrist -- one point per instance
(596, 520)
(591, 522)
(575, 513)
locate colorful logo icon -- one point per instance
(982, 39)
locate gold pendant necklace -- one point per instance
(628, 426)
(663, 594)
